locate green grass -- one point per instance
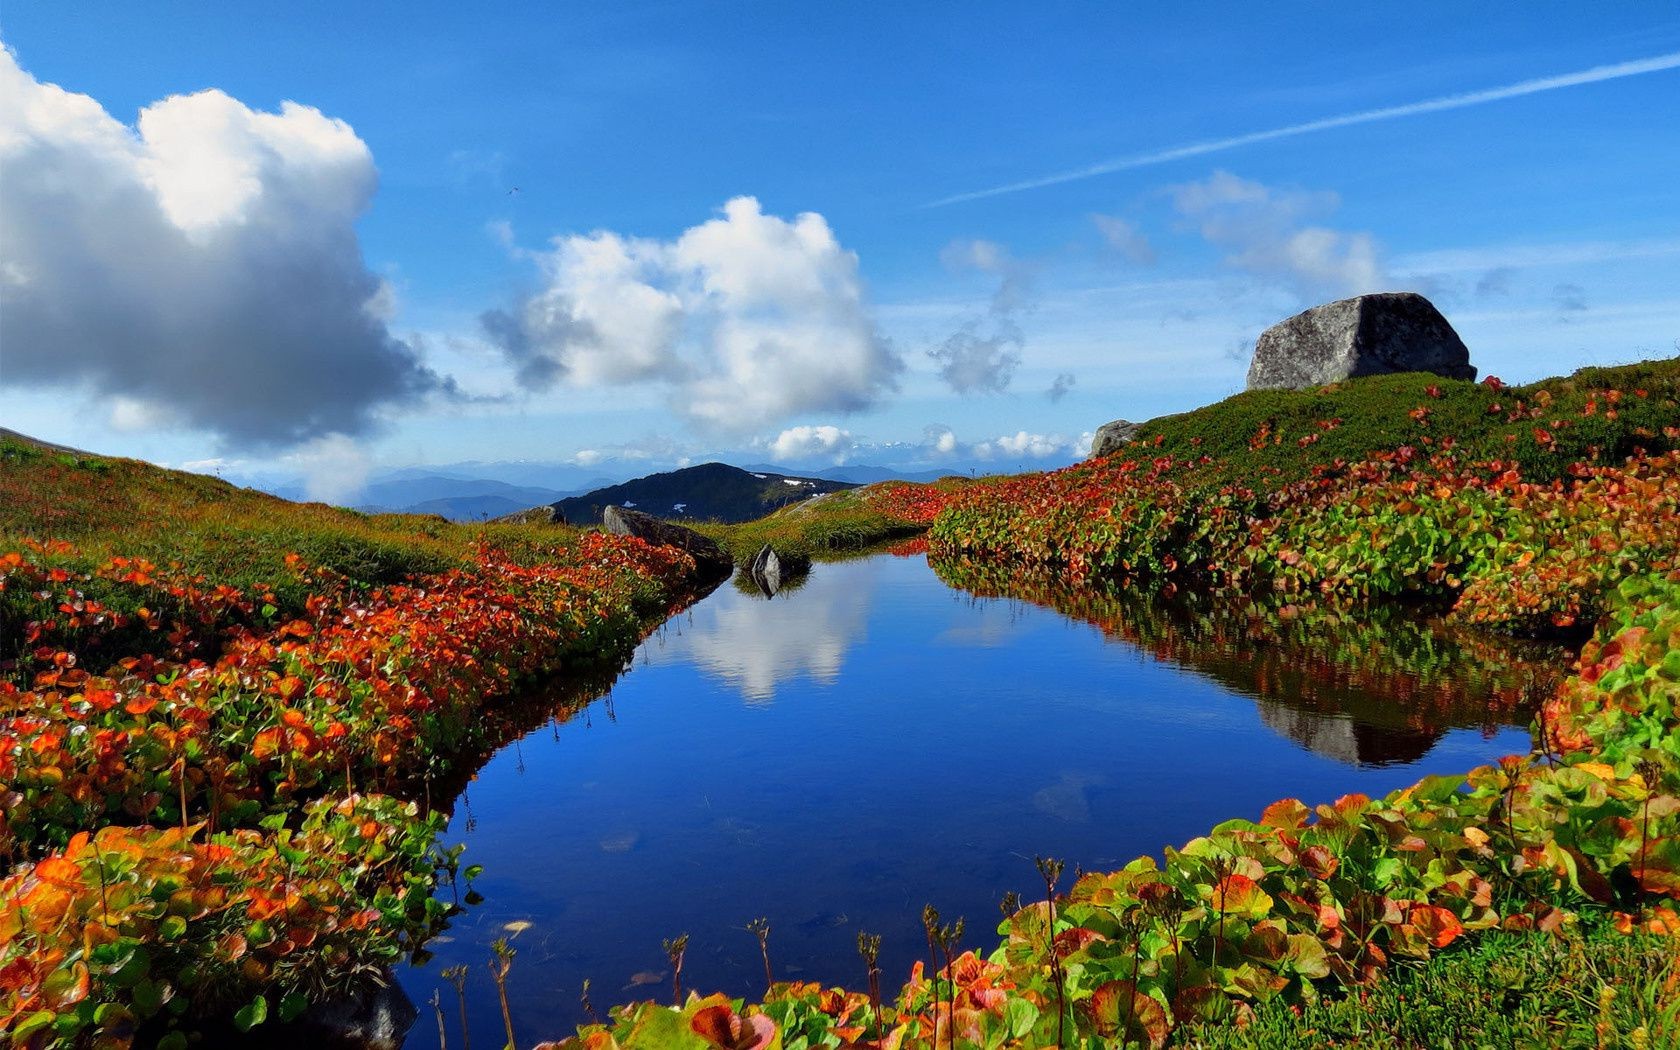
(1587, 988)
(240, 537)
(1374, 414)
(839, 523)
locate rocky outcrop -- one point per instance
(1112, 437)
(546, 514)
(712, 560)
(1363, 336)
(770, 569)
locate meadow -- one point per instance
(223, 715)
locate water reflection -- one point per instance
(756, 644)
(923, 745)
(1368, 686)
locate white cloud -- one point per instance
(982, 354)
(1263, 231)
(940, 438)
(133, 416)
(748, 318)
(1124, 237)
(334, 467)
(805, 442)
(1021, 443)
(200, 268)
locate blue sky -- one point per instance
(566, 170)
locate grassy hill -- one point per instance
(1269, 438)
(108, 506)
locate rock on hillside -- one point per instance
(1363, 336)
(1112, 437)
(712, 560)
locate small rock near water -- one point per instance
(1362, 336)
(771, 568)
(1112, 437)
(712, 560)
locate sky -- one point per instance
(331, 240)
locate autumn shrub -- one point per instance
(131, 933)
(207, 788)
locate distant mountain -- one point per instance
(466, 508)
(458, 499)
(708, 492)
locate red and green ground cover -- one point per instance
(211, 793)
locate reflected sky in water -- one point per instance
(840, 756)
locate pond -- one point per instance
(882, 738)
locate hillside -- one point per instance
(108, 506)
(708, 492)
(1269, 438)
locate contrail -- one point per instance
(1655, 64)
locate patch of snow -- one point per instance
(629, 503)
(795, 482)
(679, 507)
(761, 477)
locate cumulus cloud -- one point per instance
(1021, 443)
(1060, 386)
(1267, 231)
(808, 442)
(939, 438)
(981, 356)
(940, 442)
(748, 318)
(200, 268)
(1125, 238)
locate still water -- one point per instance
(879, 739)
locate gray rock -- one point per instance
(1363, 336)
(770, 569)
(547, 514)
(1112, 437)
(712, 560)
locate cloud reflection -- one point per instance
(756, 645)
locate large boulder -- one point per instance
(1364, 336)
(712, 560)
(1112, 437)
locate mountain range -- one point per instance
(708, 492)
(474, 491)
